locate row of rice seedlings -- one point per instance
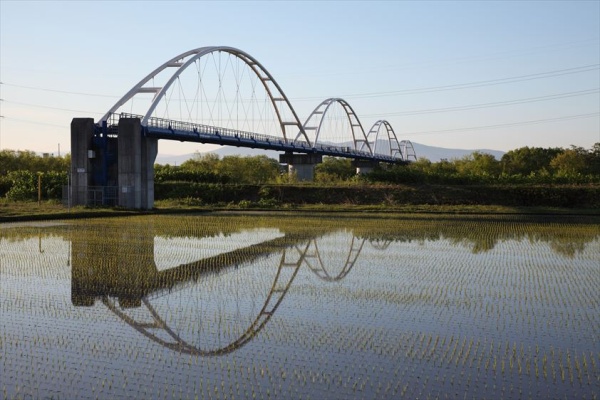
(35, 258)
(555, 365)
(464, 352)
(506, 296)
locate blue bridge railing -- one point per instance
(161, 128)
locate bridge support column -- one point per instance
(82, 134)
(364, 166)
(301, 165)
(136, 157)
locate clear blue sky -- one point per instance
(60, 60)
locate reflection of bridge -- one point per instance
(219, 95)
(123, 286)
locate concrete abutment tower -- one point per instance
(121, 164)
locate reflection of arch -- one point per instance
(314, 123)
(315, 263)
(127, 289)
(380, 244)
(279, 100)
(278, 290)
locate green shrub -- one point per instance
(23, 185)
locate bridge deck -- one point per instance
(189, 132)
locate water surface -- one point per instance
(251, 306)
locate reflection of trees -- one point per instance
(567, 249)
(566, 235)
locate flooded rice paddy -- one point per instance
(252, 306)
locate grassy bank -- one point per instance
(32, 211)
(29, 211)
(455, 199)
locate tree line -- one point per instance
(533, 165)
(21, 170)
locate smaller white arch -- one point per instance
(375, 136)
(407, 150)
(314, 123)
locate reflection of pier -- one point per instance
(122, 280)
(130, 276)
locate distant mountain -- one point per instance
(434, 154)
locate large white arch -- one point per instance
(181, 62)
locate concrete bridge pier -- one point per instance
(364, 166)
(82, 135)
(135, 165)
(301, 165)
(102, 164)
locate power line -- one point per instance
(488, 105)
(491, 82)
(450, 61)
(533, 122)
(49, 108)
(469, 85)
(34, 122)
(458, 86)
(57, 91)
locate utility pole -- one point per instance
(39, 188)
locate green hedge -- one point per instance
(572, 196)
(206, 193)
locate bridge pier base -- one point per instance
(136, 156)
(364, 166)
(301, 165)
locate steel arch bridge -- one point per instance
(292, 135)
(221, 95)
